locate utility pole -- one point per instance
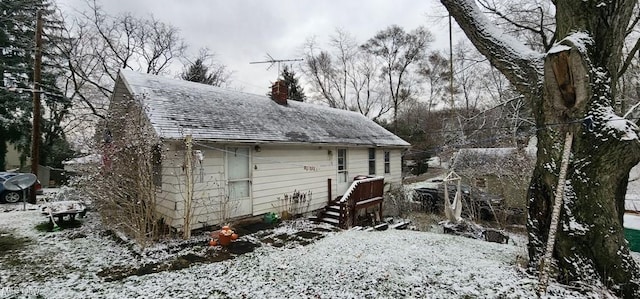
(451, 65)
(35, 130)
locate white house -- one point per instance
(253, 154)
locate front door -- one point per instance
(239, 182)
(343, 174)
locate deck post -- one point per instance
(329, 190)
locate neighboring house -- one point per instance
(504, 172)
(253, 154)
(84, 164)
(12, 159)
(633, 188)
(48, 176)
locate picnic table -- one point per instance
(60, 209)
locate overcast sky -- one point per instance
(242, 31)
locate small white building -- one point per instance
(254, 155)
(87, 163)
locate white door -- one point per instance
(343, 175)
(239, 181)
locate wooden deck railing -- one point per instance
(360, 195)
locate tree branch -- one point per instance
(629, 58)
(521, 65)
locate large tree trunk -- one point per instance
(590, 239)
(571, 88)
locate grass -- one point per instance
(48, 226)
(8, 242)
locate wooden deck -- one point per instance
(362, 194)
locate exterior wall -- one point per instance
(281, 170)
(166, 194)
(277, 172)
(208, 190)
(395, 165)
(44, 174)
(358, 163)
(12, 158)
(513, 192)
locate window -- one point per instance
(372, 161)
(238, 173)
(342, 165)
(387, 162)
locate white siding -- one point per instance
(358, 161)
(395, 177)
(359, 164)
(280, 170)
(209, 187)
(276, 171)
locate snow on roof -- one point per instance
(88, 159)
(177, 108)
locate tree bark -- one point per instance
(571, 89)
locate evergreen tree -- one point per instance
(208, 73)
(17, 32)
(295, 91)
(198, 72)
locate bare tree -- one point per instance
(533, 21)
(629, 83)
(320, 71)
(124, 187)
(573, 86)
(100, 45)
(435, 72)
(399, 51)
(344, 77)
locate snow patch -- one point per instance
(619, 124)
(580, 40)
(557, 48)
(347, 264)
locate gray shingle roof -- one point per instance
(176, 108)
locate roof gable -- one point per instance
(176, 108)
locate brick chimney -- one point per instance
(279, 92)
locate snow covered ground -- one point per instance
(343, 264)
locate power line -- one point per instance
(532, 130)
(40, 91)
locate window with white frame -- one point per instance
(387, 162)
(342, 165)
(372, 161)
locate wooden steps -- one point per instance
(331, 215)
(363, 193)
